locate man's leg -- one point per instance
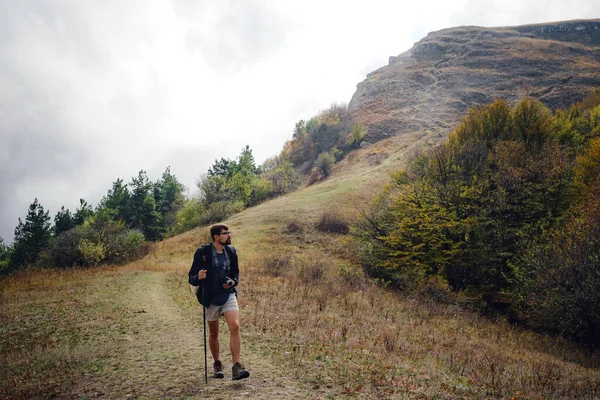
(238, 371)
(213, 338)
(235, 339)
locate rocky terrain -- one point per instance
(429, 87)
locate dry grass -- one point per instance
(54, 324)
(351, 334)
(313, 325)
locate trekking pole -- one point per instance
(205, 362)
(204, 322)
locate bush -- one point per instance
(559, 286)
(282, 175)
(92, 253)
(262, 189)
(310, 271)
(294, 226)
(220, 211)
(63, 250)
(132, 241)
(434, 287)
(189, 216)
(85, 245)
(324, 164)
(4, 267)
(352, 275)
(357, 135)
(278, 264)
(331, 221)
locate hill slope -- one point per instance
(430, 86)
(313, 325)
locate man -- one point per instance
(215, 271)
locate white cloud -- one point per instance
(94, 91)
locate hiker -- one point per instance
(215, 271)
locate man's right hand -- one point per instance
(201, 274)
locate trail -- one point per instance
(161, 355)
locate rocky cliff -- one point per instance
(429, 87)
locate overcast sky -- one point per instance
(92, 91)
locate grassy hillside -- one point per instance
(313, 325)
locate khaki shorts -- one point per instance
(214, 312)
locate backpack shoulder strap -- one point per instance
(231, 249)
(203, 249)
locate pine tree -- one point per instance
(143, 207)
(168, 194)
(117, 202)
(82, 212)
(30, 237)
(63, 221)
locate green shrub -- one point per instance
(357, 135)
(559, 284)
(352, 275)
(324, 164)
(92, 253)
(220, 211)
(262, 189)
(282, 175)
(63, 250)
(4, 267)
(133, 241)
(189, 216)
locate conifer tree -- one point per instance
(143, 207)
(30, 237)
(63, 221)
(117, 202)
(82, 212)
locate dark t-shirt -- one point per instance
(219, 295)
(223, 272)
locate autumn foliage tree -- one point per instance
(321, 134)
(497, 213)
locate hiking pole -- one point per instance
(205, 362)
(204, 321)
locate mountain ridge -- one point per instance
(430, 86)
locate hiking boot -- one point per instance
(218, 366)
(239, 372)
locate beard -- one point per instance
(228, 241)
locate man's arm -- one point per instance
(197, 265)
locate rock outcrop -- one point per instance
(429, 87)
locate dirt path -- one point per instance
(160, 355)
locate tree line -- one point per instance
(115, 231)
(131, 215)
(506, 213)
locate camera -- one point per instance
(228, 281)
